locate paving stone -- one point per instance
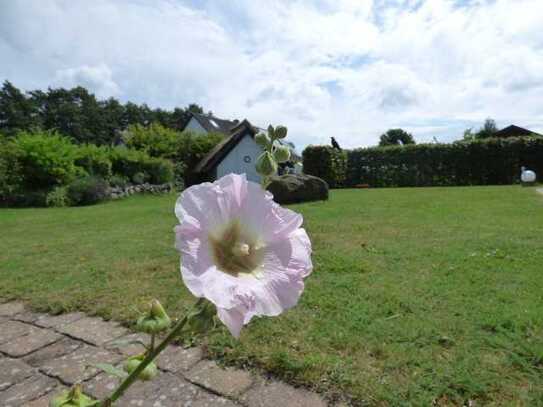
(54, 351)
(22, 393)
(166, 390)
(129, 349)
(229, 382)
(53, 321)
(36, 339)
(13, 329)
(28, 316)
(93, 330)
(175, 358)
(13, 371)
(103, 385)
(10, 309)
(211, 400)
(44, 400)
(78, 365)
(279, 394)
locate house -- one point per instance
(514, 131)
(237, 153)
(206, 123)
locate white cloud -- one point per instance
(348, 69)
(97, 79)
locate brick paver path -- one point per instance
(41, 355)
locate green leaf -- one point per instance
(125, 342)
(111, 370)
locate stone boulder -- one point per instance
(294, 188)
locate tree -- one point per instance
(17, 112)
(394, 137)
(488, 130)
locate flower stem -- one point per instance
(151, 355)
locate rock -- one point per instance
(294, 188)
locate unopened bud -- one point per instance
(133, 362)
(281, 153)
(266, 164)
(280, 132)
(262, 140)
(155, 320)
(72, 398)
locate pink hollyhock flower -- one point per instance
(241, 250)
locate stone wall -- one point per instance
(123, 192)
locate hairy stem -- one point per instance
(151, 355)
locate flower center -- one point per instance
(234, 251)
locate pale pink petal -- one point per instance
(265, 217)
(233, 319)
(203, 207)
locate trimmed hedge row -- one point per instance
(482, 162)
(327, 163)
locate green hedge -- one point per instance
(327, 163)
(34, 164)
(482, 162)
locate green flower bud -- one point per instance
(281, 153)
(266, 164)
(271, 132)
(280, 132)
(133, 362)
(155, 320)
(73, 398)
(262, 140)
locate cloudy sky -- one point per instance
(344, 68)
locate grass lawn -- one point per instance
(418, 295)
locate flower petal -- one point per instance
(233, 319)
(208, 205)
(265, 217)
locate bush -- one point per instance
(58, 197)
(480, 162)
(118, 181)
(11, 176)
(94, 160)
(46, 159)
(155, 139)
(327, 163)
(139, 178)
(160, 171)
(127, 162)
(87, 191)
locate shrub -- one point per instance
(160, 171)
(127, 162)
(479, 162)
(118, 181)
(155, 139)
(58, 197)
(94, 160)
(46, 159)
(87, 191)
(139, 178)
(11, 177)
(327, 163)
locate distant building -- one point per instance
(205, 123)
(515, 131)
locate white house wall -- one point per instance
(235, 161)
(195, 126)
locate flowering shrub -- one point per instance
(243, 256)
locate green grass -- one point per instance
(418, 295)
